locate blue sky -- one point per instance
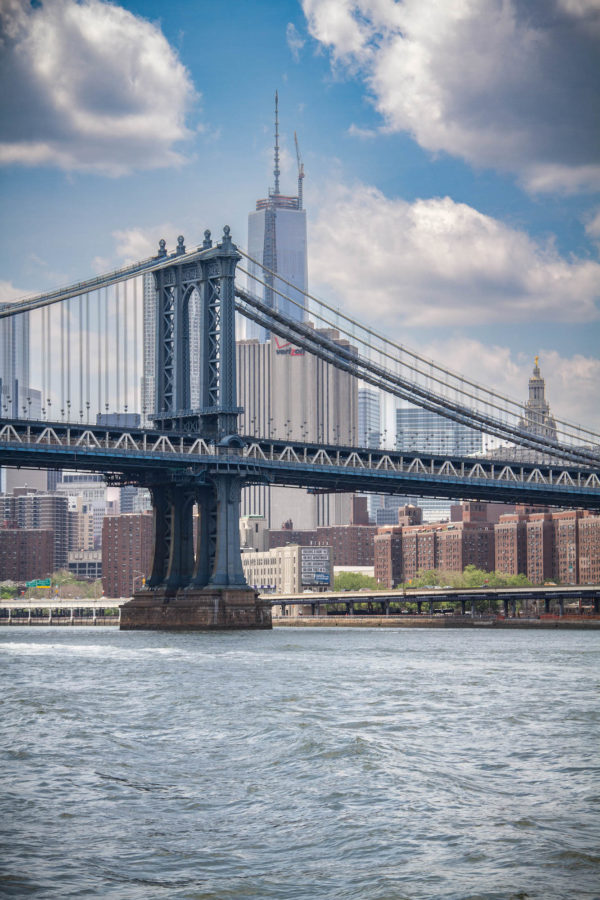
(451, 150)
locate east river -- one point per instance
(296, 764)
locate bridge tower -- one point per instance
(197, 583)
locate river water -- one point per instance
(301, 763)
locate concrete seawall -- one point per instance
(565, 622)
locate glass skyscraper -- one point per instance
(277, 241)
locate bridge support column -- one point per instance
(419, 607)
(513, 607)
(463, 607)
(472, 609)
(596, 605)
(202, 590)
(561, 606)
(547, 605)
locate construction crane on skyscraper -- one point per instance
(300, 171)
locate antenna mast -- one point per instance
(276, 169)
(300, 171)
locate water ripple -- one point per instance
(346, 763)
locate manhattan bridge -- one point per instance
(189, 452)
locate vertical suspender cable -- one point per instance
(98, 296)
(43, 311)
(106, 349)
(48, 357)
(136, 344)
(87, 357)
(80, 359)
(62, 359)
(69, 360)
(125, 349)
(118, 336)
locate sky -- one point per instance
(451, 151)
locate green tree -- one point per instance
(354, 581)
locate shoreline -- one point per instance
(567, 623)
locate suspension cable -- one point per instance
(400, 348)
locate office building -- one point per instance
(90, 491)
(285, 392)
(277, 241)
(18, 399)
(295, 396)
(421, 431)
(14, 365)
(369, 418)
(369, 435)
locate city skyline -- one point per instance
(479, 226)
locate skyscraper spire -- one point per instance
(276, 169)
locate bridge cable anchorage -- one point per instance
(399, 348)
(306, 337)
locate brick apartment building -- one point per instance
(126, 553)
(539, 547)
(26, 553)
(511, 544)
(402, 550)
(27, 509)
(559, 546)
(589, 550)
(352, 544)
(387, 556)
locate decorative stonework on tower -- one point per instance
(537, 418)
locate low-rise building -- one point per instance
(289, 570)
(86, 565)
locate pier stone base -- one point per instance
(196, 610)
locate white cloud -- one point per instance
(9, 292)
(438, 263)
(137, 243)
(511, 84)
(363, 133)
(294, 40)
(592, 227)
(92, 87)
